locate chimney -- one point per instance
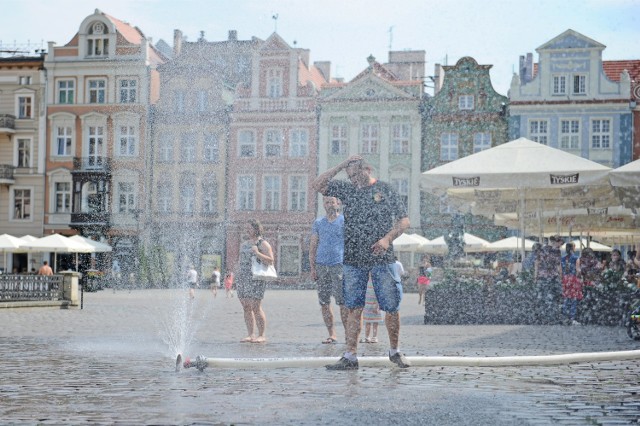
(529, 67)
(438, 78)
(325, 69)
(233, 35)
(526, 68)
(177, 42)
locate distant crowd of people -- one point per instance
(563, 277)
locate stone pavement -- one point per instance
(112, 362)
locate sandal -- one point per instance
(247, 339)
(329, 341)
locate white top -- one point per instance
(216, 277)
(192, 276)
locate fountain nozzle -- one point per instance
(200, 363)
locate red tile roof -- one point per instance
(131, 34)
(613, 69)
(312, 74)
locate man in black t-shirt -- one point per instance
(374, 215)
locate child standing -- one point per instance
(371, 315)
(228, 284)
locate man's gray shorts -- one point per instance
(330, 283)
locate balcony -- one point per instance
(7, 123)
(96, 219)
(96, 164)
(6, 174)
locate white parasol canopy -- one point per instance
(626, 181)
(406, 242)
(57, 243)
(472, 244)
(509, 244)
(98, 247)
(580, 244)
(524, 176)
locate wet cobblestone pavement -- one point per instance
(110, 363)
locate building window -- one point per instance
(559, 84)
(188, 194)
(481, 141)
(211, 148)
(449, 146)
(465, 102)
(97, 90)
(128, 91)
(271, 193)
(569, 134)
(579, 84)
(289, 259)
(539, 131)
(209, 196)
(96, 145)
(25, 106)
(166, 148)
(165, 189)
(24, 80)
(246, 143)
(63, 141)
(66, 91)
(401, 133)
(188, 148)
(23, 147)
(128, 141)
(298, 193)
(601, 134)
(272, 143)
(401, 185)
(299, 143)
(63, 197)
(338, 139)
(202, 99)
(22, 204)
(246, 192)
(178, 101)
(97, 40)
(370, 141)
(274, 83)
(126, 197)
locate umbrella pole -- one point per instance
(522, 226)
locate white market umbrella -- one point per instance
(586, 220)
(583, 243)
(29, 238)
(524, 175)
(406, 242)
(509, 244)
(472, 244)
(98, 246)
(422, 240)
(10, 244)
(57, 243)
(626, 182)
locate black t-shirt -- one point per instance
(369, 214)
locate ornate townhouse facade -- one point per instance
(573, 100)
(22, 151)
(377, 115)
(465, 115)
(101, 85)
(190, 140)
(272, 155)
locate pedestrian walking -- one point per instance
(374, 216)
(228, 284)
(326, 251)
(192, 281)
(215, 281)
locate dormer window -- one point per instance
(465, 102)
(274, 83)
(97, 40)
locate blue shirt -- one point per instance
(330, 240)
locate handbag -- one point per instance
(260, 271)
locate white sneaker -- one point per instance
(574, 322)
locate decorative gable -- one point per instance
(571, 40)
(370, 88)
(275, 42)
